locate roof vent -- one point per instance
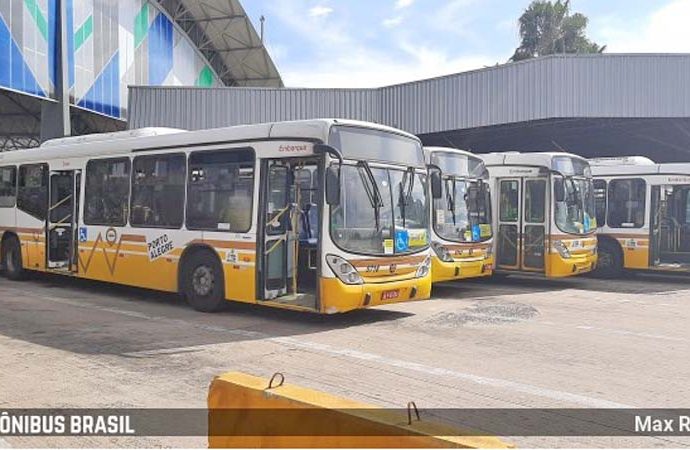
(102, 137)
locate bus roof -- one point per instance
(101, 137)
(621, 161)
(538, 159)
(169, 138)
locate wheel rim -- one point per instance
(203, 280)
(605, 260)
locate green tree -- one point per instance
(548, 28)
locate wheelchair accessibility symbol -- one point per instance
(402, 241)
(83, 234)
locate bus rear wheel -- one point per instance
(12, 259)
(610, 261)
(202, 282)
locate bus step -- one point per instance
(300, 299)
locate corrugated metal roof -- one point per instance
(224, 34)
(559, 86)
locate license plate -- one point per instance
(390, 295)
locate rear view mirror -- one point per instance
(435, 181)
(559, 191)
(473, 193)
(333, 185)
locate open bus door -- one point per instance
(63, 213)
(655, 227)
(288, 240)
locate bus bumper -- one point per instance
(577, 264)
(338, 297)
(459, 269)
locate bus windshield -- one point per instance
(382, 211)
(376, 145)
(463, 213)
(574, 206)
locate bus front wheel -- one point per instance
(610, 261)
(12, 259)
(202, 282)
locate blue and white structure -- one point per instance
(110, 45)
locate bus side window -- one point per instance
(107, 192)
(8, 187)
(626, 200)
(158, 191)
(32, 191)
(600, 201)
(221, 190)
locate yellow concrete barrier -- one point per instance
(248, 411)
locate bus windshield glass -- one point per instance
(375, 145)
(382, 211)
(463, 213)
(458, 164)
(574, 205)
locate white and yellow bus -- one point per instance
(461, 233)
(643, 213)
(543, 213)
(316, 215)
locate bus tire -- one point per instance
(610, 261)
(12, 259)
(203, 284)
(499, 276)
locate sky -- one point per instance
(374, 43)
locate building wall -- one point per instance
(111, 44)
(562, 86)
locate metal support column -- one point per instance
(55, 117)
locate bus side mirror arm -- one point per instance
(325, 149)
(332, 173)
(559, 192)
(435, 180)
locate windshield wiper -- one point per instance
(372, 190)
(450, 198)
(406, 187)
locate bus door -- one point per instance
(674, 224)
(534, 223)
(509, 224)
(291, 222)
(276, 213)
(522, 224)
(63, 212)
(655, 221)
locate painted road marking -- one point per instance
(552, 394)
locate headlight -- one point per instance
(344, 270)
(442, 252)
(424, 268)
(562, 249)
(489, 251)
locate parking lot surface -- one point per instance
(509, 343)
